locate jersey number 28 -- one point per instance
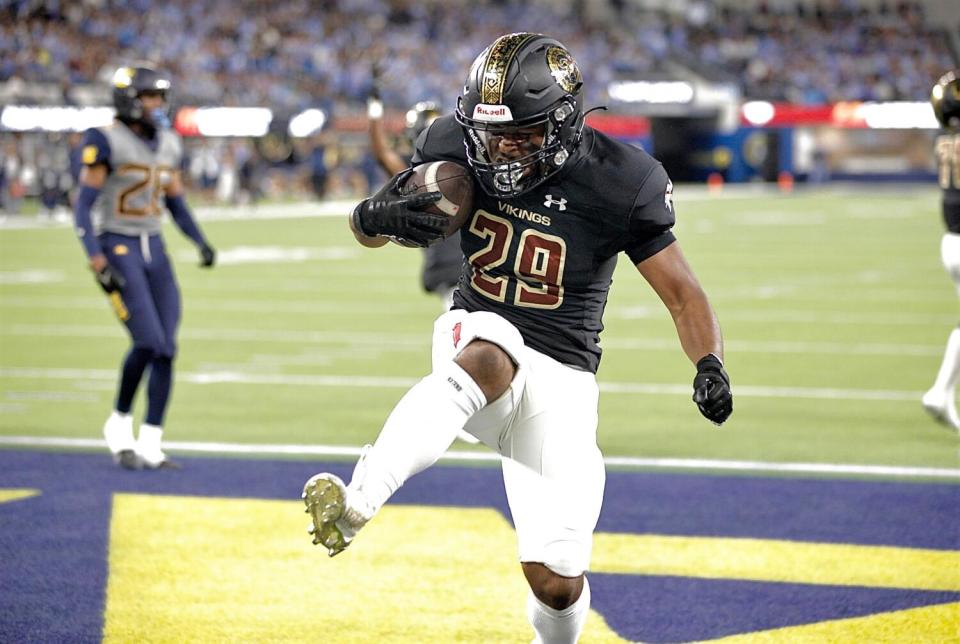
(141, 197)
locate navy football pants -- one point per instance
(150, 301)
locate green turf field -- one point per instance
(834, 306)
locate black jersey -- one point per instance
(441, 265)
(545, 260)
(947, 149)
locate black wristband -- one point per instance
(708, 361)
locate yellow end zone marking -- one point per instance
(189, 569)
(782, 561)
(15, 495)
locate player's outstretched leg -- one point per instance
(939, 399)
(418, 431)
(118, 432)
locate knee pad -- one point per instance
(454, 330)
(566, 558)
(950, 255)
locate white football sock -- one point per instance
(950, 367)
(418, 431)
(118, 432)
(148, 444)
(554, 626)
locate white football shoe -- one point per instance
(118, 432)
(941, 406)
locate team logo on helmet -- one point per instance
(564, 69)
(123, 77)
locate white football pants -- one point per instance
(545, 427)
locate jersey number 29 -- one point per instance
(537, 270)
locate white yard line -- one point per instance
(422, 340)
(298, 210)
(403, 382)
(885, 471)
(643, 312)
(271, 307)
(803, 317)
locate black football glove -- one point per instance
(109, 279)
(390, 213)
(711, 390)
(208, 256)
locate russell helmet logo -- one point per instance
(560, 203)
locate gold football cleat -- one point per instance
(325, 496)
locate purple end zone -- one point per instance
(682, 609)
(53, 548)
(912, 515)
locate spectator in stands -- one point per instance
(288, 55)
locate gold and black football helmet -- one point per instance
(525, 86)
(945, 99)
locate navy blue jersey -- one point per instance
(947, 149)
(545, 260)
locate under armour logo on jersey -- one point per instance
(560, 203)
(668, 196)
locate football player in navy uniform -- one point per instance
(514, 361)
(128, 167)
(945, 98)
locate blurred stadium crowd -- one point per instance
(298, 54)
(287, 54)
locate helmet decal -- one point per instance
(499, 56)
(564, 69)
(123, 77)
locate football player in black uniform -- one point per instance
(939, 400)
(514, 361)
